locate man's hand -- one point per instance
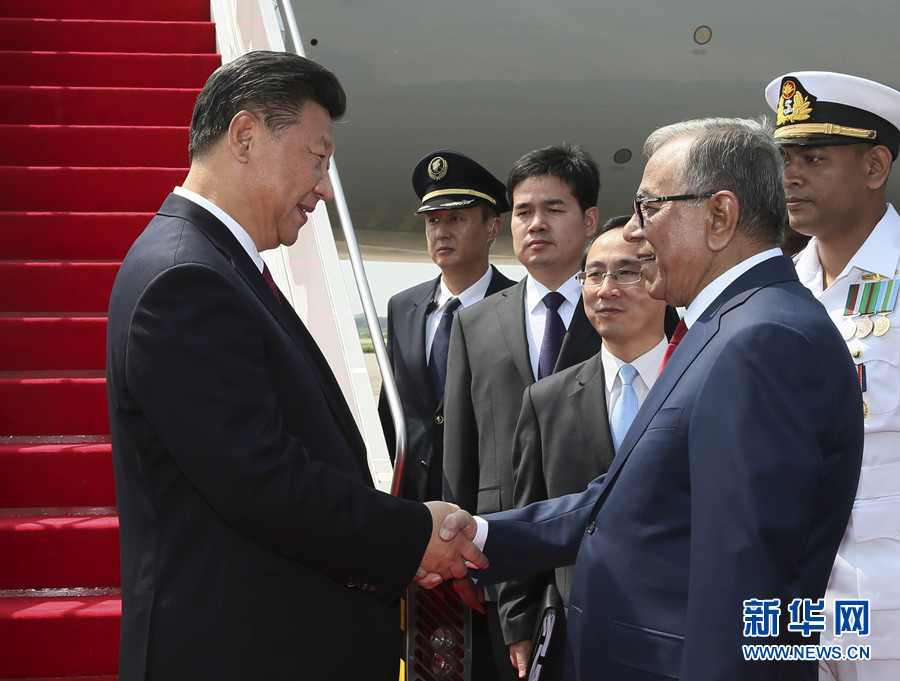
(450, 546)
(519, 654)
(468, 594)
(458, 522)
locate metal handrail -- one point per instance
(362, 285)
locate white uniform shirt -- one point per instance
(868, 561)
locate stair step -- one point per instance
(132, 10)
(102, 69)
(76, 189)
(95, 146)
(67, 474)
(56, 286)
(83, 35)
(52, 343)
(69, 236)
(32, 404)
(71, 678)
(60, 636)
(59, 551)
(20, 104)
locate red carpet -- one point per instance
(95, 103)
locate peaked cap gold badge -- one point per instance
(793, 106)
(437, 168)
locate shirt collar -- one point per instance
(239, 232)
(877, 255)
(714, 288)
(468, 297)
(535, 292)
(647, 365)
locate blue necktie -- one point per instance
(626, 406)
(437, 362)
(554, 332)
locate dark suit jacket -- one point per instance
(562, 442)
(423, 411)
(735, 482)
(253, 543)
(488, 370)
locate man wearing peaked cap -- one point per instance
(445, 180)
(839, 136)
(461, 203)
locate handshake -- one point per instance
(450, 552)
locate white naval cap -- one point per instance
(821, 108)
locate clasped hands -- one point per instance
(449, 550)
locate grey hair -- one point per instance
(737, 154)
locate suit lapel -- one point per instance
(579, 334)
(410, 334)
(510, 308)
(698, 336)
(224, 240)
(590, 388)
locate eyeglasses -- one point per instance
(594, 279)
(659, 199)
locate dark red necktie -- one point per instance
(680, 330)
(271, 282)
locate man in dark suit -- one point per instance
(565, 437)
(503, 344)
(254, 545)
(462, 203)
(727, 500)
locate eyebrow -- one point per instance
(546, 202)
(619, 264)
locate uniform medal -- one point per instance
(882, 325)
(847, 329)
(864, 327)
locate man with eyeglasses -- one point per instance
(722, 511)
(572, 422)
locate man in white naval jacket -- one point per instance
(839, 137)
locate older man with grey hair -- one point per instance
(716, 525)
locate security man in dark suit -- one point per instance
(462, 203)
(528, 331)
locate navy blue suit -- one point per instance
(734, 482)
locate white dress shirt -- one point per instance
(536, 312)
(239, 232)
(468, 297)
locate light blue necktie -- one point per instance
(626, 406)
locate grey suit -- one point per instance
(423, 411)
(489, 369)
(562, 442)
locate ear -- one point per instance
(878, 166)
(494, 228)
(243, 129)
(722, 220)
(591, 219)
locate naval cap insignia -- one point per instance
(793, 106)
(437, 168)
